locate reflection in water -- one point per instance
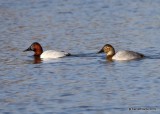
(37, 60)
(109, 59)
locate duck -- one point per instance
(49, 54)
(120, 55)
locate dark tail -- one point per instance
(68, 54)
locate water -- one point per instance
(87, 84)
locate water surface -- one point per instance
(87, 84)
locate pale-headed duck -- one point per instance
(120, 55)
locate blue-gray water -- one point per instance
(88, 84)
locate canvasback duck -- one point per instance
(38, 52)
(120, 55)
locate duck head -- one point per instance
(108, 49)
(36, 47)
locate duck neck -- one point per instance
(38, 52)
(109, 57)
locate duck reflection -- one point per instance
(37, 60)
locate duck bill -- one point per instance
(101, 51)
(29, 49)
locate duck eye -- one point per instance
(108, 48)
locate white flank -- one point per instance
(53, 54)
(126, 55)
